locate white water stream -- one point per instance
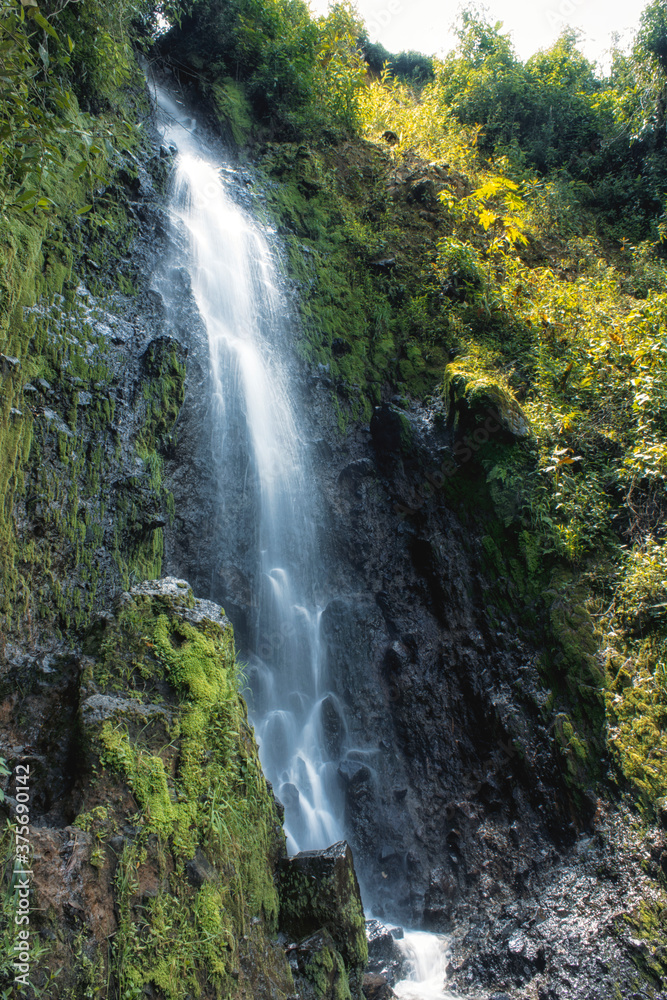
(426, 961)
(237, 294)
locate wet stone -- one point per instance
(384, 955)
(199, 869)
(319, 894)
(376, 987)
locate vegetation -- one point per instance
(69, 130)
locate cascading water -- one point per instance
(425, 958)
(257, 440)
(236, 292)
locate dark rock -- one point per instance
(178, 597)
(484, 407)
(422, 191)
(353, 772)
(319, 970)
(333, 726)
(100, 707)
(199, 869)
(289, 795)
(391, 431)
(376, 987)
(56, 421)
(340, 347)
(8, 364)
(661, 812)
(319, 893)
(384, 955)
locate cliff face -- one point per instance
(459, 663)
(154, 838)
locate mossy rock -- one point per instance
(476, 400)
(318, 969)
(172, 784)
(233, 109)
(318, 893)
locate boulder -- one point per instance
(478, 401)
(376, 987)
(385, 958)
(319, 895)
(318, 968)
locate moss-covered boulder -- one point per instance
(476, 400)
(162, 885)
(321, 909)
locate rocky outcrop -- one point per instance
(321, 909)
(385, 959)
(162, 799)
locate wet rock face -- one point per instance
(450, 776)
(571, 935)
(385, 960)
(321, 909)
(376, 987)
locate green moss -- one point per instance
(636, 704)
(145, 775)
(363, 326)
(648, 922)
(326, 972)
(473, 395)
(233, 109)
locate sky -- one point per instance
(425, 25)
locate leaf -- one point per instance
(44, 55)
(79, 170)
(29, 3)
(43, 23)
(82, 211)
(487, 218)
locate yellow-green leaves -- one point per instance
(496, 205)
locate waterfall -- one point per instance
(257, 440)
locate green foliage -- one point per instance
(425, 124)
(546, 113)
(298, 74)
(408, 67)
